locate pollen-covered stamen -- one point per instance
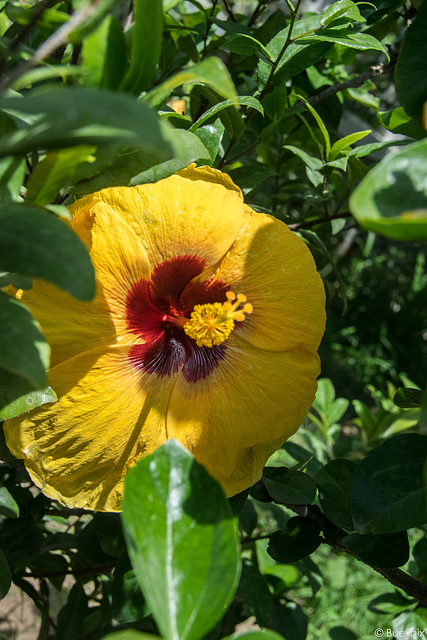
(211, 324)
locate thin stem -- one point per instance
(306, 224)
(229, 11)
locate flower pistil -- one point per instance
(211, 324)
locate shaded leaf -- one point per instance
(408, 398)
(334, 481)
(300, 540)
(17, 395)
(5, 576)
(36, 243)
(289, 486)
(385, 551)
(8, 506)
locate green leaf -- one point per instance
(247, 177)
(17, 395)
(12, 172)
(289, 486)
(211, 71)
(8, 506)
(56, 171)
(258, 634)
(36, 243)
(248, 101)
(297, 57)
(23, 349)
(300, 540)
(315, 164)
(408, 398)
(390, 603)
(344, 143)
(145, 45)
(254, 590)
(388, 491)
(71, 616)
(360, 41)
(398, 121)
(130, 634)
(5, 576)
(342, 8)
(211, 136)
(385, 551)
(40, 74)
(392, 198)
(366, 149)
(71, 116)
(104, 57)
(411, 81)
(410, 623)
(182, 540)
(244, 44)
(334, 481)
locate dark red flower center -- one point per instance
(156, 311)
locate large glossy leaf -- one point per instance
(411, 81)
(182, 540)
(23, 349)
(392, 198)
(145, 45)
(104, 56)
(388, 491)
(69, 116)
(289, 486)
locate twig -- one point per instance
(70, 572)
(312, 223)
(229, 11)
(333, 536)
(56, 40)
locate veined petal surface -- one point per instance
(108, 415)
(275, 270)
(180, 216)
(247, 408)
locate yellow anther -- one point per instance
(211, 324)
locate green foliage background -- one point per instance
(316, 112)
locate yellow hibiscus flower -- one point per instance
(204, 328)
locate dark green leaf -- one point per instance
(23, 349)
(248, 176)
(182, 540)
(315, 164)
(244, 44)
(248, 101)
(360, 41)
(289, 486)
(300, 540)
(388, 492)
(17, 395)
(290, 621)
(390, 603)
(71, 116)
(334, 481)
(71, 617)
(392, 198)
(188, 148)
(127, 600)
(145, 46)
(411, 82)
(12, 171)
(8, 506)
(35, 243)
(385, 551)
(408, 398)
(254, 591)
(5, 576)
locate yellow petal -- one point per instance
(119, 259)
(109, 414)
(275, 270)
(181, 215)
(250, 404)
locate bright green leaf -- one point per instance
(248, 101)
(211, 72)
(398, 121)
(18, 396)
(56, 171)
(36, 243)
(146, 44)
(342, 8)
(104, 57)
(182, 540)
(344, 143)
